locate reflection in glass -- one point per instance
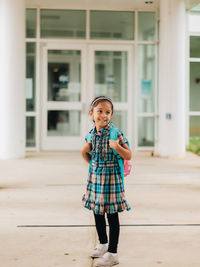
(194, 86)
(147, 23)
(64, 75)
(112, 25)
(119, 120)
(30, 76)
(146, 78)
(31, 16)
(30, 132)
(111, 75)
(63, 123)
(62, 23)
(195, 46)
(194, 126)
(146, 131)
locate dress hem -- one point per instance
(105, 208)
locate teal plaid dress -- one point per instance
(104, 192)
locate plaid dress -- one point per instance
(105, 192)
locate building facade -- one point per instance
(56, 58)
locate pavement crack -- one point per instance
(122, 225)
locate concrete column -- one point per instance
(12, 79)
(172, 82)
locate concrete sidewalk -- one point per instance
(43, 223)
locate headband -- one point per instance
(101, 98)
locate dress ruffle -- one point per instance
(109, 208)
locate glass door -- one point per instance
(111, 71)
(63, 94)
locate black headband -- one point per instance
(103, 98)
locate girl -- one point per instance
(105, 191)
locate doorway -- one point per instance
(72, 76)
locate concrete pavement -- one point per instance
(43, 223)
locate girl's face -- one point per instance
(101, 114)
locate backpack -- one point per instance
(125, 165)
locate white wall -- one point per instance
(12, 71)
(172, 82)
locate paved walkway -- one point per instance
(43, 223)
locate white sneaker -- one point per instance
(99, 251)
(107, 260)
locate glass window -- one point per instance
(63, 23)
(194, 46)
(194, 126)
(30, 76)
(146, 78)
(146, 131)
(147, 23)
(30, 132)
(64, 75)
(63, 123)
(194, 86)
(111, 74)
(112, 25)
(31, 16)
(119, 119)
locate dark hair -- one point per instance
(99, 99)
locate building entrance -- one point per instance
(74, 74)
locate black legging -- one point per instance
(114, 228)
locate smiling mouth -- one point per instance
(103, 121)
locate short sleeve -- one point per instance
(86, 137)
(122, 139)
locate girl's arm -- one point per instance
(85, 151)
(124, 151)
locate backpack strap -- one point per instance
(114, 136)
(89, 139)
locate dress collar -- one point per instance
(104, 130)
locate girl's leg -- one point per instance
(113, 220)
(101, 228)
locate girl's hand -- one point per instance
(124, 151)
(114, 144)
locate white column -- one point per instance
(172, 82)
(12, 79)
